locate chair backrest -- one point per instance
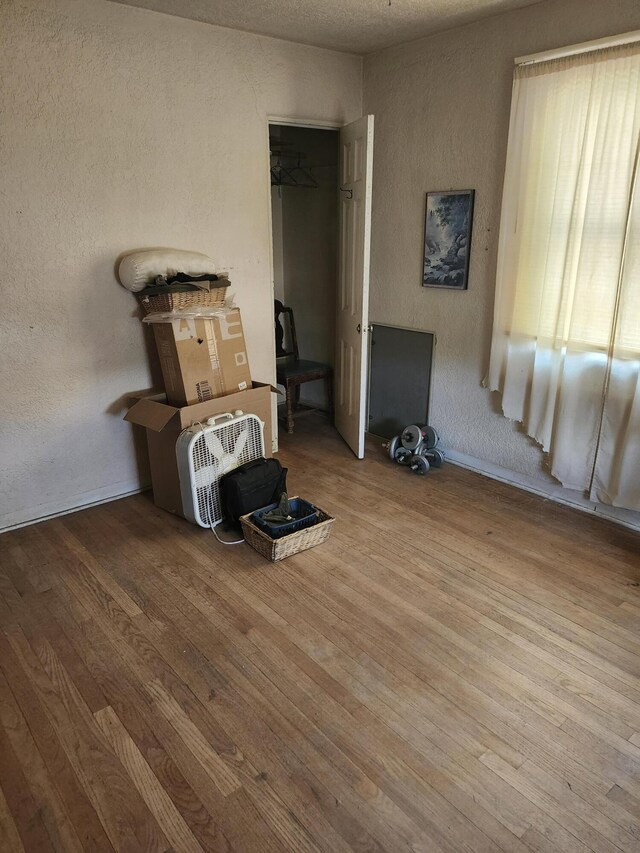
(293, 340)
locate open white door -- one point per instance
(356, 169)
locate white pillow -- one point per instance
(138, 269)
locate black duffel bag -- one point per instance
(249, 487)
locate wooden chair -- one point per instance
(293, 371)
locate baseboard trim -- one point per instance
(75, 507)
(558, 494)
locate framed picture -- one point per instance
(447, 239)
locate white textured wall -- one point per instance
(441, 110)
(125, 128)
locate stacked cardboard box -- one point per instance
(206, 372)
(202, 357)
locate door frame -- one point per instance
(286, 121)
(310, 123)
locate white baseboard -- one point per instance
(624, 517)
(51, 510)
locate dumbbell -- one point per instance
(413, 436)
(435, 457)
(419, 464)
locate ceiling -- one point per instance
(355, 26)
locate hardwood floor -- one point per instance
(456, 669)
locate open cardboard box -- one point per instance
(164, 423)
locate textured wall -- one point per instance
(125, 128)
(441, 109)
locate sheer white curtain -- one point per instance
(566, 340)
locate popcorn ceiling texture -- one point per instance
(124, 128)
(441, 110)
(358, 26)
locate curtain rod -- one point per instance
(573, 50)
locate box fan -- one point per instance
(205, 452)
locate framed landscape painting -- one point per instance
(447, 239)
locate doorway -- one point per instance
(323, 263)
(304, 216)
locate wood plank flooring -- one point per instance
(456, 669)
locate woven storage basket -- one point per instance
(182, 297)
(278, 549)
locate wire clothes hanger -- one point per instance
(302, 175)
(280, 176)
(290, 176)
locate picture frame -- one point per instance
(447, 239)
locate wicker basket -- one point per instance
(278, 549)
(180, 297)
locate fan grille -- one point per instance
(207, 494)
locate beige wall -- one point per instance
(125, 128)
(441, 109)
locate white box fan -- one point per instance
(207, 451)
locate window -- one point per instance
(575, 126)
(566, 339)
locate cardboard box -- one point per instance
(164, 423)
(202, 357)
